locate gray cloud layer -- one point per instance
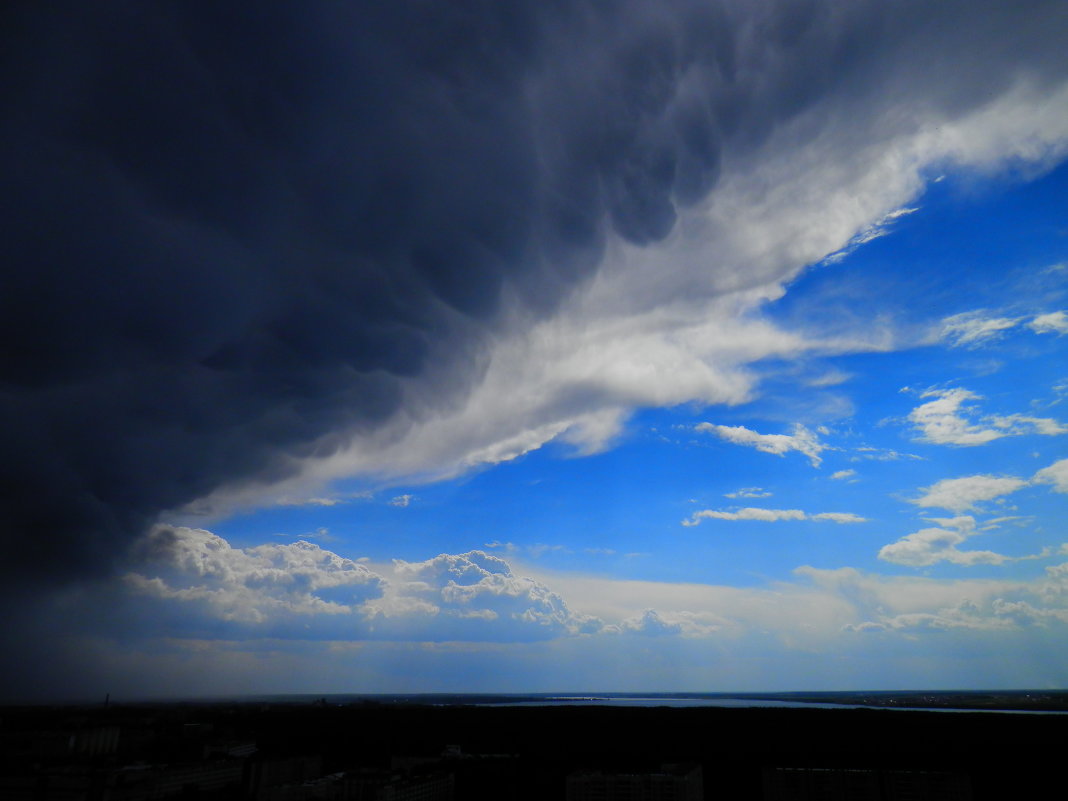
(241, 235)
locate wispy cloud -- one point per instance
(973, 329)
(801, 440)
(748, 492)
(771, 515)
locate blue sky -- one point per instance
(708, 346)
(581, 523)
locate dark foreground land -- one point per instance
(284, 751)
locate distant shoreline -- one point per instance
(1000, 701)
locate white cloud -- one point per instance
(802, 440)
(771, 515)
(963, 494)
(1056, 474)
(1052, 323)
(249, 585)
(1024, 424)
(650, 624)
(474, 595)
(839, 517)
(304, 591)
(843, 474)
(944, 421)
(401, 501)
(868, 453)
(932, 545)
(748, 492)
(972, 329)
(941, 420)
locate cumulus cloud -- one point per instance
(249, 585)
(771, 515)
(945, 421)
(843, 474)
(964, 494)
(401, 501)
(802, 440)
(1056, 474)
(932, 545)
(1052, 323)
(941, 421)
(651, 624)
(303, 591)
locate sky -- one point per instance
(533, 347)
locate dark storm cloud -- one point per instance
(236, 233)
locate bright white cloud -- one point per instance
(941, 421)
(945, 421)
(1056, 474)
(802, 440)
(963, 494)
(249, 585)
(973, 329)
(843, 474)
(771, 515)
(304, 591)
(402, 501)
(932, 545)
(1052, 323)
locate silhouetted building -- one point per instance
(669, 783)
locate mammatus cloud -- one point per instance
(771, 515)
(802, 440)
(944, 421)
(374, 236)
